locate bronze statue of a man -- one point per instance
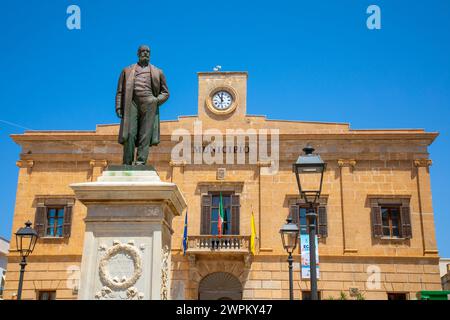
(141, 90)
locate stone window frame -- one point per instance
(213, 187)
(207, 209)
(403, 202)
(45, 202)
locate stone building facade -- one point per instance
(377, 235)
(4, 249)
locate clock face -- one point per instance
(222, 100)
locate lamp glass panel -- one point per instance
(290, 240)
(310, 181)
(27, 244)
(19, 243)
(24, 243)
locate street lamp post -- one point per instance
(25, 240)
(309, 169)
(289, 236)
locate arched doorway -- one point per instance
(220, 286)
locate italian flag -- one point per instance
(221, 216)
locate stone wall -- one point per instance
(267, 277)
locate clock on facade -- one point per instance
(222, 100)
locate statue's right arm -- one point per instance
(119, 110)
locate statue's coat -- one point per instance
(124, 97)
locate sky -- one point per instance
(306, 60)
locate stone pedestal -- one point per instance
(127, 241)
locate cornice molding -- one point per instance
(340, 135)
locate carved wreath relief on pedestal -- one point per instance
(119, 256)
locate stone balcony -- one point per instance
(207, 244)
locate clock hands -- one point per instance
(225, 100)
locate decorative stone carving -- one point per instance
(107, 294)
(153, 211)
(221, 173)
(165, 273)
(191, 259)
(347, 163)
(129, 251)
(29, 164)
(177, 163)
(100, 164)
(247, 260)
(104, 294)
(423, 162)
(134, 294)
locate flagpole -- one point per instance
(185, 234)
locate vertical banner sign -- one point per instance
(304, 247)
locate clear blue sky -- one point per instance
(307, 60)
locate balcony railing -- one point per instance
(222, 244)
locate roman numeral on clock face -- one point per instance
(222, 100)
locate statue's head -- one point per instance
(143, 54)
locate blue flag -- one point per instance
(185, 235)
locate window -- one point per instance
(396, 296)
(55, 222)
(226, 199)
(298, 215)
(46, 295)
(306, 295)
(210, 214)
(391, 218)
(53, 218)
